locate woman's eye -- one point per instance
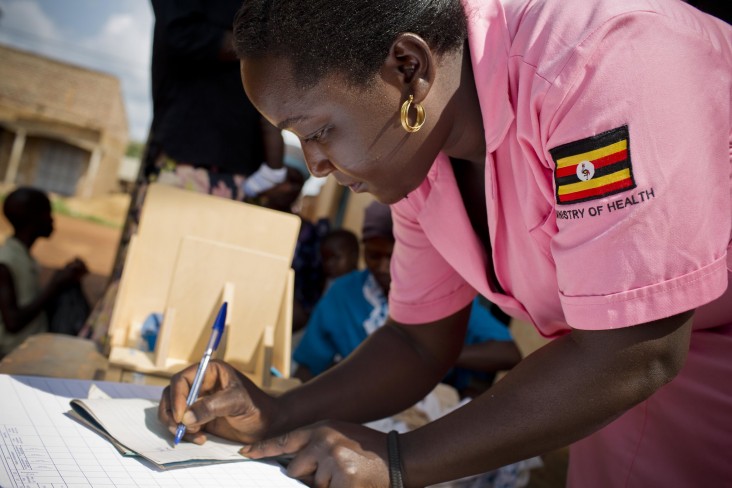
(317, 136)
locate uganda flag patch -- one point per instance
(594, 167)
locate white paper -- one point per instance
(133, 423)
(42, 447)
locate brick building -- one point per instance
(63, 128)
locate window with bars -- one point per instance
(60, 167)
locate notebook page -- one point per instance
(133, 423)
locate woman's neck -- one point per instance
(467, 137)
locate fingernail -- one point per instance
(189, 418)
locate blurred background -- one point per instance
(75, 113)
(75, 109)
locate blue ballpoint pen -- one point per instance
(213, 343)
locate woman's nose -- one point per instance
(318, 164)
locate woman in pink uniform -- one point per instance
(569, 160)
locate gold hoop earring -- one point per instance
(418, 122)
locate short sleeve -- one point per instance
(641, 152)
(424, 287)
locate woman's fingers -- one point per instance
(225, 405)
(175, 396)
(165, 414)
(323, 476)
(177, 391)
(285, 444)
(307, 466)
(330, 454)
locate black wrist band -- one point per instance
(395, 460)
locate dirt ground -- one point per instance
(93, 242)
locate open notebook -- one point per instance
(132, 426)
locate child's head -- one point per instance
(378, 242)
(339, 251)
(29, 212)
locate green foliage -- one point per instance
(59, 206)
(135, 149)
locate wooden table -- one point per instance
(64, 356)
(56, 355)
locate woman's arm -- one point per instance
(489, 356)
(561, 393)
(390, 371)
(564, 391)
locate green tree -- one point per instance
(135, 149)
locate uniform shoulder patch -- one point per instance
(594, 167)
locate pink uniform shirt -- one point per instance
(552, 76)
(609, 197)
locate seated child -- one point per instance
(339, 251)
(23, 302)
(356, 304)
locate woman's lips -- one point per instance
(356, 187)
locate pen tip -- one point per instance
(178, 435)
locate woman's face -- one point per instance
(351, 132)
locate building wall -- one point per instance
(6, 143)
(27, 168)
(61, 104)
(103, 180)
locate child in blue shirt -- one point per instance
(356, 304)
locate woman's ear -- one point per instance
(410, 66)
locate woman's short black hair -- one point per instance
(352, 37)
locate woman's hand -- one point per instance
(229, 405)
(330, 454)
